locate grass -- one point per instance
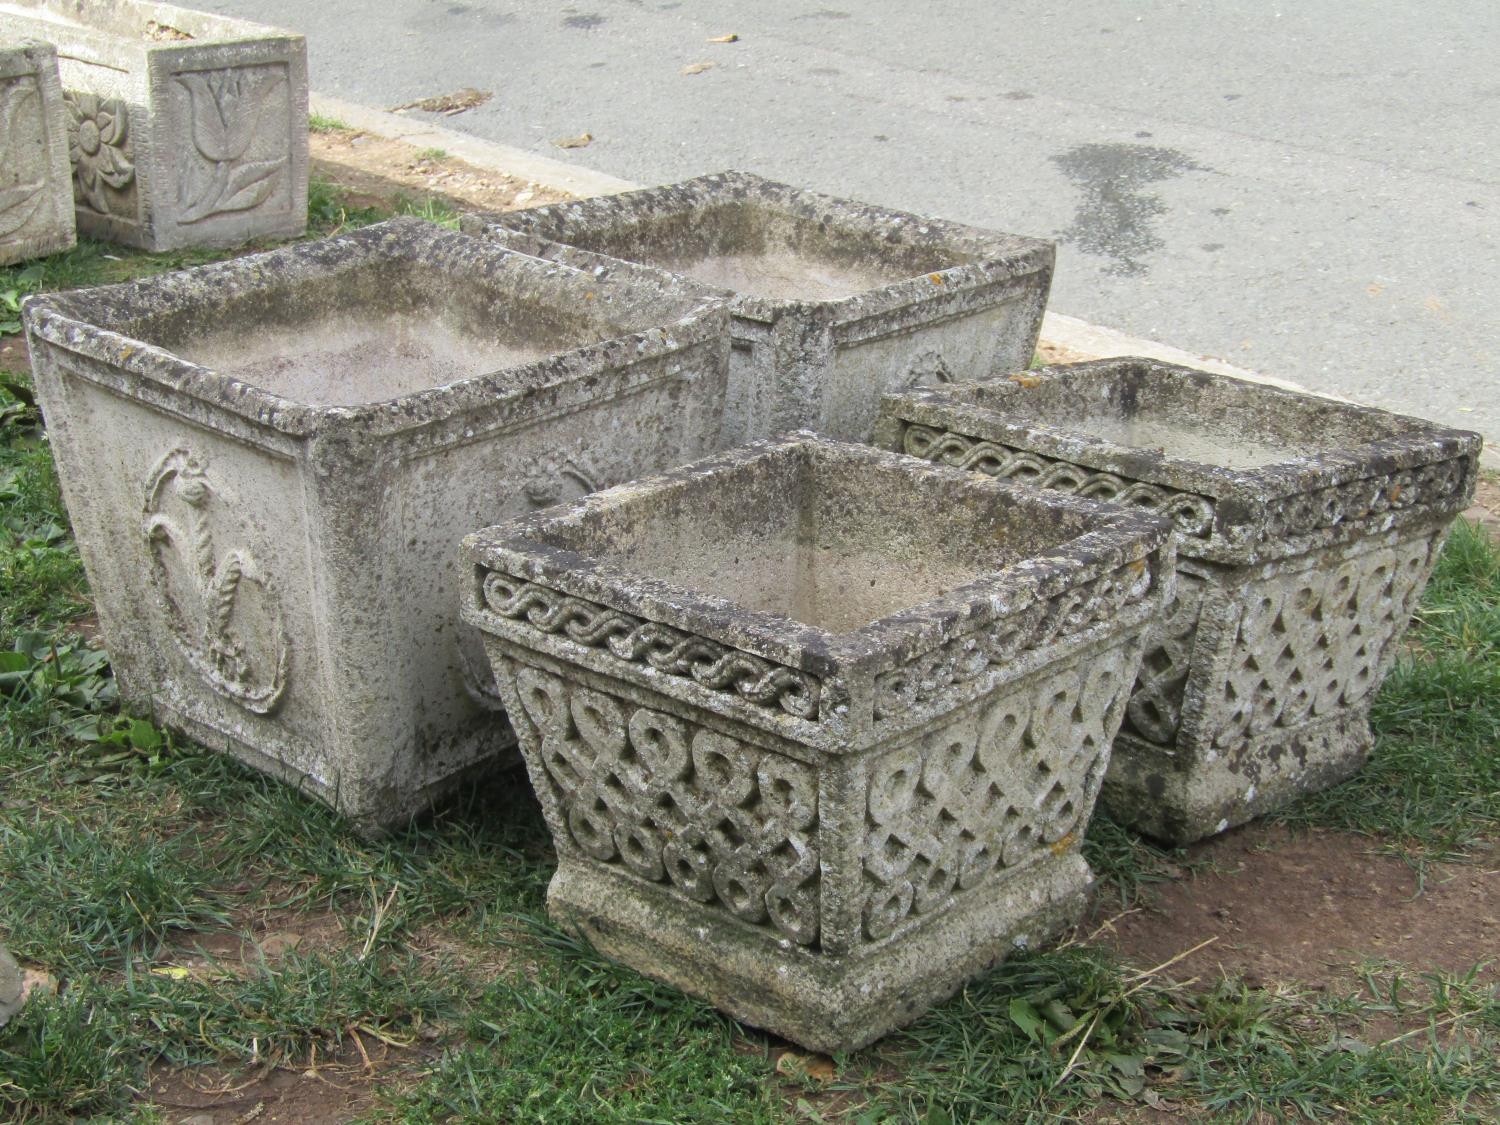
(152, 879)
(321, 123)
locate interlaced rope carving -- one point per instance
(1192, 515)
(660, 646)
(1313, 643)
(949, 812)
(722, 822)
(934, 674)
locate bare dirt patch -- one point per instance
(384, 169)
(1486, 507)
(326, 1091)
(1310, 908)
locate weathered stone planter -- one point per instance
(36, 199)
(270, 462)
(184, 129)
(1306, 531)
(834, 302)
(817, 728)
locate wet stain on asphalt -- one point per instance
(587, 21)
(1116, 218)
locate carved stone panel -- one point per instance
(671, 802)
(998, 789)
(36, 213)
(239, 159)
(219, 602)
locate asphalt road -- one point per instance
(1313, 192)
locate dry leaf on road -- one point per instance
(697, 67)
(730, 38)
(574, 142)
(449, 104)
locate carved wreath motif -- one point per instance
(934, 674)
(201, 590)
(99, 146)
(1192, 515)
(722, 822)
(18, 202)
(660, 646)
(225, 109)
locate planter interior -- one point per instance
(1165, 412)
(375, 329)
(810, 536)
(764, 251)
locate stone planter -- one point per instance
(36, 199)
(1306, 530)
(833, 302)
(184, 129)
(816, 728)
(270, 462)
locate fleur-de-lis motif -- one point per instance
(240, 651)
(18, 201)
(225, 110)
(99, 147)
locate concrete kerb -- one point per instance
(1068, 332)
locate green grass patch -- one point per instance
(1432, 785)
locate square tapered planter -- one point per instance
(270, 462)
(1306, 531)
(817, 729)
(36, 196)
(834, 302)
(183, 128)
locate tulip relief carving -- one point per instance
(230, 173)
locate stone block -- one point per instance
(36, 197)
(817, 729)
(270, 462)
(184, 129)
(1306, 531)
(834, 302)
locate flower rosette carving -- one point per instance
(99, 147)
(222, 609)
(18, 201)
(225, 108)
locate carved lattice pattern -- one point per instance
(1311, 643)
(1155, 707)
(720, 821)
(947, 813)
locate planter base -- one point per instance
(1178, 804)
(822, 1002)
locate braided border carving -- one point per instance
(661, 647)
(965, 658)
(1192, 515)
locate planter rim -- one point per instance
(1118, 536)
(1419, 442)
(999, 256)
(74, 321)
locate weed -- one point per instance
(321, 123)
(434, 154)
